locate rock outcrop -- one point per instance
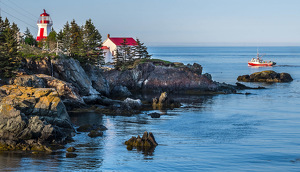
(87, 79)
(71, 71)
(266, 76)
(145, 142)
(95, 75)
(66, 91)
(152, 78)
(164, 102)
(32, 117)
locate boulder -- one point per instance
(33, 115)
(163, 102)
(71, 149)
(145, 142)
(132, 104)
(266, 76)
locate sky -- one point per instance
(171, 22)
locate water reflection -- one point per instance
(89, 150)
(93, 153)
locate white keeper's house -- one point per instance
(111, 44)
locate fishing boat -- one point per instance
(258, 61)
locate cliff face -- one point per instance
(149, 77)
(87, 80)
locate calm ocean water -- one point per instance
(236, 132)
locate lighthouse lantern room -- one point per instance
(44, 23)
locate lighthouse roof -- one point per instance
(44, 14)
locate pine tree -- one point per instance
(118, 59)
(52, 39)
(29, 38)
(64, 37)
(76, 44)
(92, 43)
(125, 51)
(141, 50)
(9, 60)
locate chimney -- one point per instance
(108, 35)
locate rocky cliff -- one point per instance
(150, 77)
(86, 79)
(67, 92)
(91, 83)
(30, 116)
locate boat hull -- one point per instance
(261, 64)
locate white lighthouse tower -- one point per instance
(44, 23)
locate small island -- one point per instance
(266, 76)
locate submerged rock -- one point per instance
(71, 149)
(154, 115)
(95, 133)
(71, 155)
(266, 76)
(89, 127)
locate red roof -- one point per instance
(119, 41)
(104, 48)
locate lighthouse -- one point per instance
(44, 23)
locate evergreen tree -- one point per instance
(29, 38)
(60, 36)
(9, 60)
(125, 51)
(52, 39)
(140, 50)
(118, 59)
(76, 41)
(16, 31)
(92, 43)
(65, 38)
